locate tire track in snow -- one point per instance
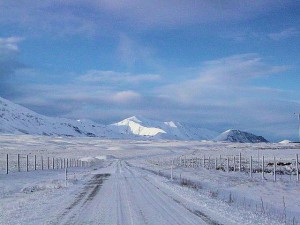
(198, 213)
(164, 210)
(88, 193)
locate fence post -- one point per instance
(27, 162)
(34, 162)
(274, 169)
(204, 161)
(66, 176)
(6, 163)
(216, 163)
(209, 162)
(234, 163)
(172, 170)
(240, 162)
(53, 163)
(250, 169)
(42, 161)
(48, 163)
(297, 167)
(67, 162)
(227, 164)
(263, 168)
(19, 163)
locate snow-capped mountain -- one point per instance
(285, 142)
(163, 130)
(239, 136)
(16, 119)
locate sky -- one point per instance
(213, 63)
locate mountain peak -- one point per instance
(16, 119)
(141, 126)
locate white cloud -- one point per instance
(95, 16)
(107, 76)
(284, 34)
(9, 46)
(133, 54)
(9, 64)
(125, 97)
(222, 79)
(177, 13)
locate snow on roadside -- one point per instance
(238, 189)
(36, 197)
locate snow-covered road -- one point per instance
(128, 196)
(123, 186)
(115, 192)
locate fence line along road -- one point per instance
(27, 162)
(237, 163)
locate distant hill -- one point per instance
(16, 119)
(239, 136)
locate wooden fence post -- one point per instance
(250, 169)
(274, 169)
(216, 164)
(34, 162)
(48, 163)
(297, 167)
(172, 170)
(27, 163)
(53, 163)
(240, 162)
(18, 163)
(6, 163)
(227, 164)
(234, 163)
(42, 162)
(66, 176)
(263, 168)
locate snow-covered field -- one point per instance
(125, 187)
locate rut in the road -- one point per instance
(198, 213)
(88, 193)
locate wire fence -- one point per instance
(11, 163)
(268, 169)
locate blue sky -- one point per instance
(217, 64)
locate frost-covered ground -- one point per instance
(125, 187)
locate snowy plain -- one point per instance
(124, 187)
